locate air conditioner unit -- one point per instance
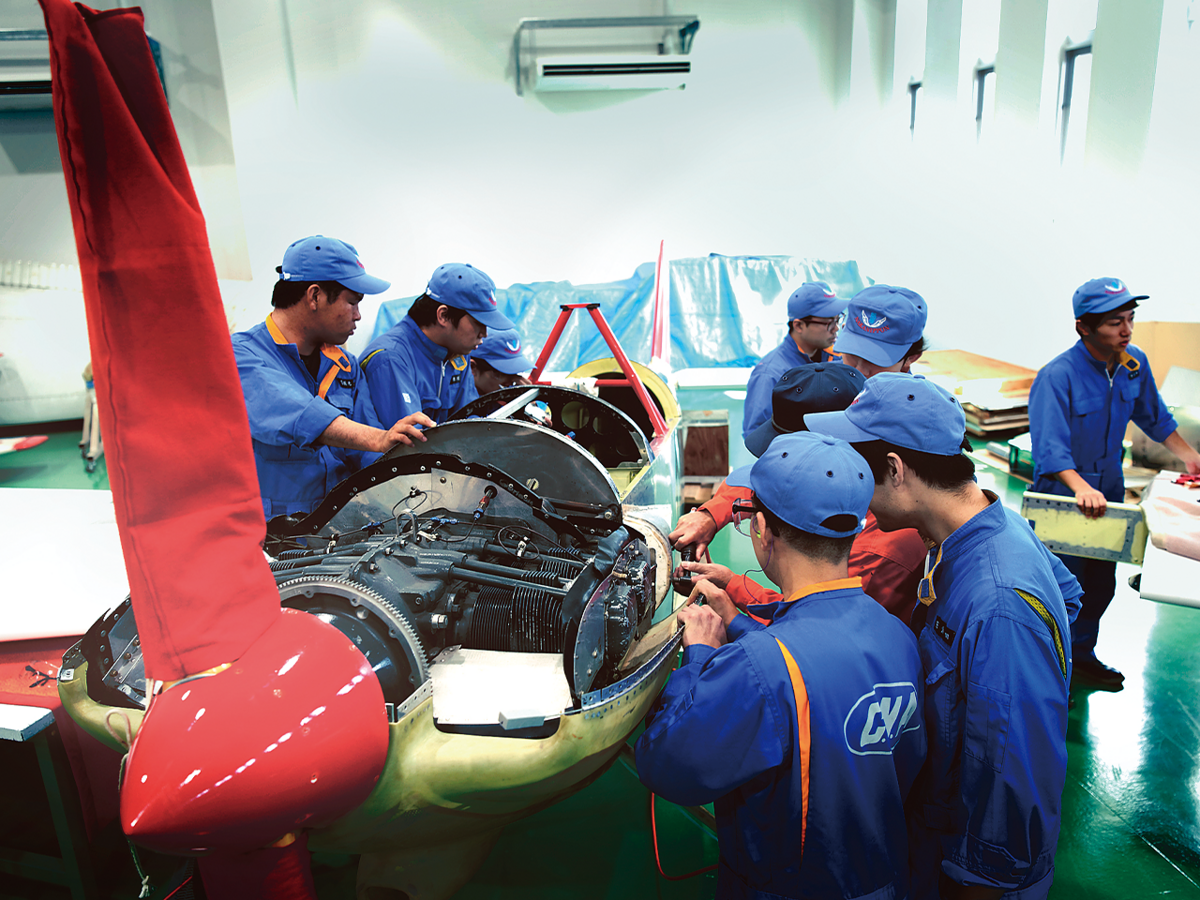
(24, 69)
(611, 73)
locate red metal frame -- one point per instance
(631, 377)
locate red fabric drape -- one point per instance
(171, 408)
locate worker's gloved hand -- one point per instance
(1091, 502)
(696, 527)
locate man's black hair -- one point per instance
(482, 365)
(919, 346)
(814, 546)
(289, 293)
(1092, 321)
(944, 473)
(424, 312)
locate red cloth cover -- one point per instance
(171, 407)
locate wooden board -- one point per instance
(967, 368)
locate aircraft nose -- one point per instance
(293, 735)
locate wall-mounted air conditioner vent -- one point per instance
(606, 73)
(646, 53)
(24, 69)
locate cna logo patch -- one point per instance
(879, 717)
(360, 265)
(513, 347)
(492, 298)
(873, 322)
(828, 292)
(1116, 286)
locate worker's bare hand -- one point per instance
(715, 598)
(717, 574)
(696, 527)
(701, 625)
(406, 431)
(1091, 502)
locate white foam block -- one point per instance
(486, 687)
(63, 566)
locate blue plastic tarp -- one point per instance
(724, 310)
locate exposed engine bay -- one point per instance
(437, 565)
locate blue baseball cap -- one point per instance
(464, 287)
(814, 298)
(502, 351)
(1101, 295)
(805, 478)
(320, 258)
(882, 322)
(818, 387)
(905, 410)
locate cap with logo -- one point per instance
(817, 387)
(906, 410)
(882, 323)
(502, 351)
(814, 298)
(464, 287)
(805, 478)
(1101, 295)
(320, 258)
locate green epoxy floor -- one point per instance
(1131, 807)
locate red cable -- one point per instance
(184, 884)
(658, 862)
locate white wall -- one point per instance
(394, 124)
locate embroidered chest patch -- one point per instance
(347, 383)
(942, 630)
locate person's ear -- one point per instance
(908, 362)
(443, 316)
(895, 468)
(1081, 329)
(312, 295)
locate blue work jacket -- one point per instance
(766, 375)
(996, 651)
(807, 736)
(1078, 415)
(289, 409)
(410, 373)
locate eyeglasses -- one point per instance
(743, 514)
(829, 324)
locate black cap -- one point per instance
(819, 387)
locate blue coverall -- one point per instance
(808, 771)
(757, 408)
(1077, 419)
(289, 409)
(987, 807)
(410, 373)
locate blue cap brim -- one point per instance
(1114, 302)
(491, 318)
(830, 309)
(365, 284)
(876, 352)
(739, 477)
(837, 424)
(509, 365)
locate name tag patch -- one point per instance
(347, 383)
(456, 378)
(942, 630)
